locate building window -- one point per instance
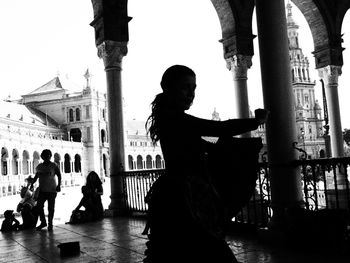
(87, 111)
(77, 114)
(71, 115)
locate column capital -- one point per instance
(239, 65)
(112, 53)
(330, 74)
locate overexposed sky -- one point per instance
(42, 38)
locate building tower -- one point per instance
(307, 109)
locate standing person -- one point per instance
(185, 211)
(48, 187)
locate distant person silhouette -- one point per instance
(95, 190)
(10, 223)
(48, 188)
(185, 211)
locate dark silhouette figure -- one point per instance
(48, 188)
(10, 223)
(27, 207)
(185, 212)
(90, 210)
(95, 191)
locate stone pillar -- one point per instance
(330, 75)
(278, 100)
(112, 53)
(239, 65)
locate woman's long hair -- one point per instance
(93, 180)
(159, 104)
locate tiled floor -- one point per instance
(120, 240)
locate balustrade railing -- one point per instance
(325, 184)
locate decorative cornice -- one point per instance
(239, 65)
(112, 53)
(330, 74)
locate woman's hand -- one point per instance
(261, 115)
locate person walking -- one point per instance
(48, 188)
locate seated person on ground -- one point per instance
(27, 208)
(10, 223)
(81, 216)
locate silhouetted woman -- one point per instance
(185, 213)
(95, 190)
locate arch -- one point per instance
(36, 158)
(77, 114)
(158, 161)
(67, 166)
(77, 163)
(325, 30)
(103, 136)
(139, 162)
(236, 26)
(4, 158)
(75, 134)
(322, 153)
(131, 162)
(25, 162)
(149, 162)
(15, 157)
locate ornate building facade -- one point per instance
(72, 123)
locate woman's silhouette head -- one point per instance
(178, 84)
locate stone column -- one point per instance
(239, 65)
(112, 53)
(330, 75)
(278, 100)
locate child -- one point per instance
(27, 208)
(10, 223)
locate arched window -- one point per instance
(77, 114)
(71, 115)
(131, 162)
(77, 163)
(75, 134)
(67, 168)
(103, 136)
(15, 162)
(105, 164)
(4, 157)
(149, 162)
(25, 163)
(139, 162)
(36, 158)
(158, 162)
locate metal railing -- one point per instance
(324, 182)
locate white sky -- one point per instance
(41, 38)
